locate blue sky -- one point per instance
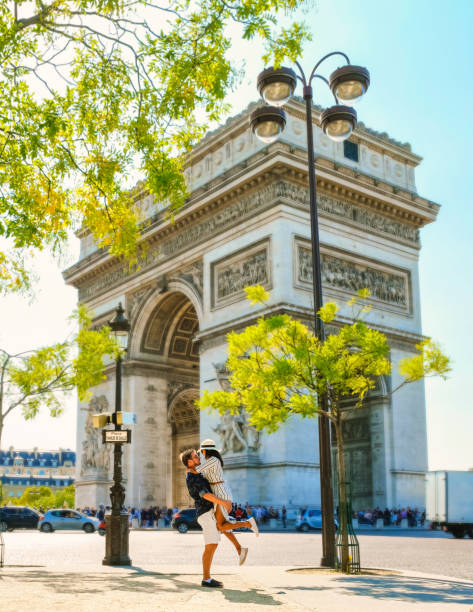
(419, 53)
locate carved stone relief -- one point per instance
(95, 455)
(349, 275)
(193, 274)
(231, 275)
(358, 459)
(239, 211)
(350, 212)
(235, 433)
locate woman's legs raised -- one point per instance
(224, 525)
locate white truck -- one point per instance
(449, 502)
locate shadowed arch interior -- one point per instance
(185, 422)
(171, 329)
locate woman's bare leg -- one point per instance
(231, 536)
(224, 525)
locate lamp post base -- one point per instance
(116, 540)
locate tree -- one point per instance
(37, 497)
(278, 368)
(65, 497)
(37, 378)
(95, 94)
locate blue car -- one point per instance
(61, 519)
(310, 518)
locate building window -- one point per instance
(350, 150)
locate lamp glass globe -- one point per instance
(268, 131)
(350, 92)
(277, 94)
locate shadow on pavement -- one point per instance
(406, 588)
(139, 581)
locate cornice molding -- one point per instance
(278, 161)
(380, 141)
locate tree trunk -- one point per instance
(342, 498)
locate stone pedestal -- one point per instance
(116, 540)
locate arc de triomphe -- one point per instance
(247, 222)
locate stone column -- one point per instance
(151, 442)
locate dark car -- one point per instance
(18, 517)
(184, 520)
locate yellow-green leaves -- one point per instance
(430, 361)
(256, 294)
(279, 368)
(134, 87)
(328, 311)
(38, 378)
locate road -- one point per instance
(429, 552)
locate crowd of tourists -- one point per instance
(414, 517)
(149, 517)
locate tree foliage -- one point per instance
(97, 93)
(39, 378)
(279, 368)
(46, 498)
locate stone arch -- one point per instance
(162, 348)
(363, 432)
(184, 418)
(152, 300)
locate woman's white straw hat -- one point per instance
(208, 444)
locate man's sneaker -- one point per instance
(243, 555)
(254, 526)
(212, 584)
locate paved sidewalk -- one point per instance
(175, 589)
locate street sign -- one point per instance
(116, 437)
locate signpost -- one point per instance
(116, 437)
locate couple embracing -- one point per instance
(213, 502)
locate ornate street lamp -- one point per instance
(276, 86)
(117, 532)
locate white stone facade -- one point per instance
(247, 222)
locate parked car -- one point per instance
(310, 518)
(184, 520)
(18, 517)
(67, 519)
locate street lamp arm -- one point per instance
(322, 78)
(301, 78)
(312, 74)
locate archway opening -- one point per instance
(169, 337)
(185, 423)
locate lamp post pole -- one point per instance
(325, 459)
(117, 529)
(348, 84)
